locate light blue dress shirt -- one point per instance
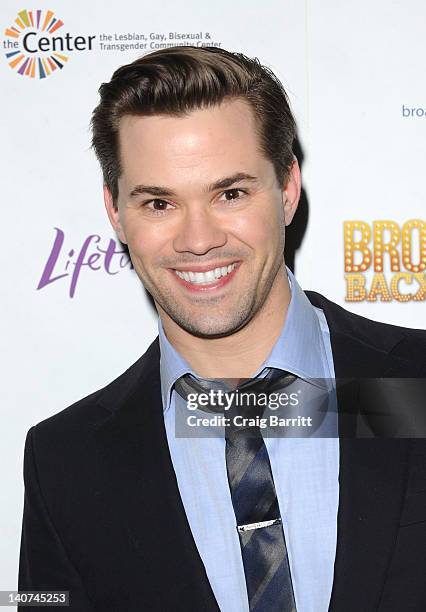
(305, 472)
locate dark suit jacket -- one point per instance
(103, 517)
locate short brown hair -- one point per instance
(177, 80)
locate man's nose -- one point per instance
(198, 232)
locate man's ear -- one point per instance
(113, 215)
(291, 191)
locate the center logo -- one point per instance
(35, 48)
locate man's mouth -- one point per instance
(203, 278)
(207, 279)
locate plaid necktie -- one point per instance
(258, 520)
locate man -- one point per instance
(200, 182)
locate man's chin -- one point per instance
(210, 328)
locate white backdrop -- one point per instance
(354, 74)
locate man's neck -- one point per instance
(240, 354)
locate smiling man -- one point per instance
(127, 513)
(203, 214)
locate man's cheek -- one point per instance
(255, 234)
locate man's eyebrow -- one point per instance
(164, 192)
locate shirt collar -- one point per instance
(299, 348)
(172, 365)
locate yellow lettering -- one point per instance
(379, 287)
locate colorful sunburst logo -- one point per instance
(32, 50)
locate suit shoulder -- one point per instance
(403, 343)
(90, 411)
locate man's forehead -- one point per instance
(200, 148)
(229, 115)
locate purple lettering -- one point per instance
(125, 261)
(109, 254)
(46, 277)
(80, 262)
(70, 254)
(91, 261)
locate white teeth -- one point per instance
(204, 278)
(210, 276)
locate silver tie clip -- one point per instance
(249, 526)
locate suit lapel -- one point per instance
(372, 477)
(135, 468)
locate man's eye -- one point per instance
(233, 194)
(156, 205)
